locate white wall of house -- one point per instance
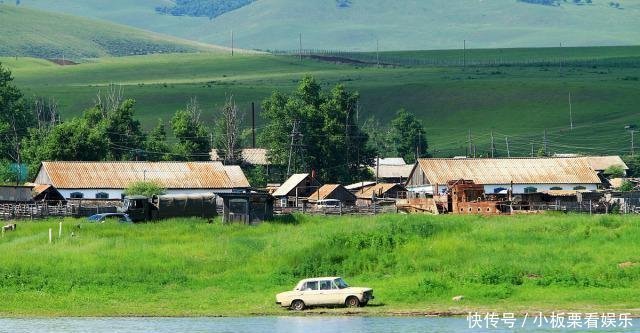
(517, 188)
(117, 193)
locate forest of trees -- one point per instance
(202, 8)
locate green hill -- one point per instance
(40, 34)
(398, 25)
(186, 267)
(518, 99)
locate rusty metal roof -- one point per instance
(119, 175)
(326, 191)
(379, 190)
(236, 175)
(507, 170)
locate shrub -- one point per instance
(147, 189)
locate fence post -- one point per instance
(590, 208)
(50, 238)
(60, 230)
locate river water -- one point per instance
(282, 324)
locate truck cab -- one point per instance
(137, 207)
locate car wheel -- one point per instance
(297, 305)
(352, 302)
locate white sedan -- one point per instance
(324, 291)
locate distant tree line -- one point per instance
(556, 2)
(202, 8)
(309, 130)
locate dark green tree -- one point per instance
(156, 146)
(409, 136)
(193, 137)
(15, 119)
(124, 132)
(326, 135)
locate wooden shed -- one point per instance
(246, 207)
(335, 192)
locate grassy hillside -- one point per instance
(514, 101)
(399, 25)
(414, 263)
(35, 33)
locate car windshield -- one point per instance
(341, 284)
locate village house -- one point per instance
(29, 193)
(335, 192)
(108, 180)
(519, 175)
(297, 187)
(391, 170)
(381, 193)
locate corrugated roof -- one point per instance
(119, 175)
(290, 184)
(357, 186)
(392, 171)
(379, 190)
(601, 163)
(323, 192)
(392, 161)
(505, 171)
(236, 175)
(255, 156)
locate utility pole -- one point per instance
(296, 147)
(570, 112)
(544, 138)
(253, 123)
(377, 167)
(632, 142)
(506, 138)
(531, 148)
(470, 143)
(232, 43)
(464, 55)
(300, 46)
(378, 52)
(493, 146)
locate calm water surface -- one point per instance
(268, 324)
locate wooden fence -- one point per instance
(14, 211)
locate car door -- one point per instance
(311, 293)
(327, 293)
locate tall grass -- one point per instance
(188, 267)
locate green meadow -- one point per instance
(186, 267)
(516, 101)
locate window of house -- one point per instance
(77, 195)
(530, 189)
(498, 190)
(556, 188)
(102, 195)
(579, 188)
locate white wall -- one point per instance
(117, 193)
(517, 188)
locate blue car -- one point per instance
(101, 218)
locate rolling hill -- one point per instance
(398, 25)
(515, 99)
(41, 34)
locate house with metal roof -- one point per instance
(520, 175)
(333, 192)
(380, 192)
(250, 156)
(298, 186)
(108, 180)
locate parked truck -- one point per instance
(142, 208)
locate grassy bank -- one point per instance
(414, 263)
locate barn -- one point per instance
(108, 180)
(333, 192)
(521, 175)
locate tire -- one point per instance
(352, 302)
(297, 305)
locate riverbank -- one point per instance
(415, 264)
